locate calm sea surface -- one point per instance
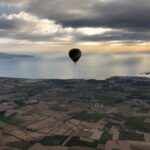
(99, 65)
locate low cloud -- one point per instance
(24, 26)
(116, 36)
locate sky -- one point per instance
(93, 25)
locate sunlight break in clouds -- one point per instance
(74, 23)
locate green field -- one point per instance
(107, 99)
(89, 117)
(75, 141)
(58, 108)
(53, 140)
(116, 116)
(138, 124)
(141, 92)
(105, 137)
(10, 119)
(20, 103)
(2, 113)
(22, 145)
(125, 135)
(144, 110)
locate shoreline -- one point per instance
(123, 77)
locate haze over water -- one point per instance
(96, 65)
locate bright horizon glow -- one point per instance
(90, 48)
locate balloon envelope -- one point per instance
(75, 54)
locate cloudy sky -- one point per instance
(87, 24)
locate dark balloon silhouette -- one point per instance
(75, 54)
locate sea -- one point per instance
(92, 65)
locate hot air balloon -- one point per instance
(75, 54)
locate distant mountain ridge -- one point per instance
(6, 56)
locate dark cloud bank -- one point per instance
(128, 14)
(129, 19)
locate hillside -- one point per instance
(10, 56)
